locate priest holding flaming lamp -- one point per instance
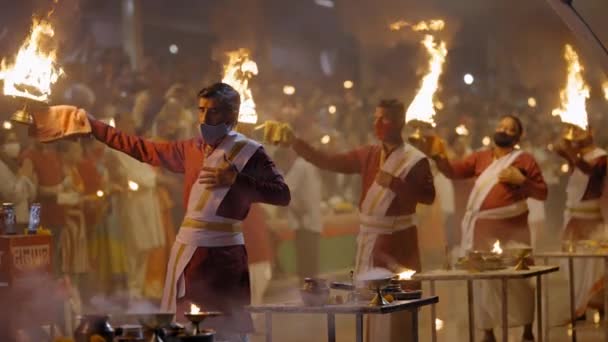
(586, 205)
(225, 173)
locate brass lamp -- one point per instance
(24, 115)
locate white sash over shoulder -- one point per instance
(484, 183)
(202, 226)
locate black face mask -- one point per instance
(502, 139)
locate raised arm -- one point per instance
(59, 122)
(338, 162)
(169, 155)
(456, 169)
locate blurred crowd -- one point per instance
(114, 219)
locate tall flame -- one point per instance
(496, 247)
(237, 73)
(422, 107)
(574, 96)
(430, 25)
(34, 70)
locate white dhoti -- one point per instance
(488, 293)
(488, 303)
(376, 225)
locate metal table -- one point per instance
(504, 276)
(570, 258)
(331, 310)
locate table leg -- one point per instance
(471, 308)
(505, 311)
(605, 298)
(433, 314)
(539, 309)
(546, 303)
(572, 304)
(414, 314)
(268, 318)
(331, 327)
(359, 327)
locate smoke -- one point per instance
(39, 298)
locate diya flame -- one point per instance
(237, 73)
(407, 274)
(34, 69)
(496, 248)
(574, 96)
(195, 310)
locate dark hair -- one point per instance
(394, 107)
(520, 126)
(226, 96)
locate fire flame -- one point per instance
(576, 93)
(496, 248)
(99, 193)
(237, 73)
(422, 107)
(406, 275)
(431, 25)
(195, 310)
(605, 88)
(34, 70)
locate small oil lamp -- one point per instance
(24, 115)
(196, 316)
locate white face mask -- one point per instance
(11, 149)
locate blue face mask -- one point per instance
(212, 134)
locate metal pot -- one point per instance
(94, 325)
(314, 292)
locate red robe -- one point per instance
(49, 170)
(217, 278)
(487, 231)
(417, 187)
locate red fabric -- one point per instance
(502, 194)
(259, 181)
(416, 188)
(49, 170)
(90, 175)
(217, 279)
(92, 181)
(256, 233)
(397, 251)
